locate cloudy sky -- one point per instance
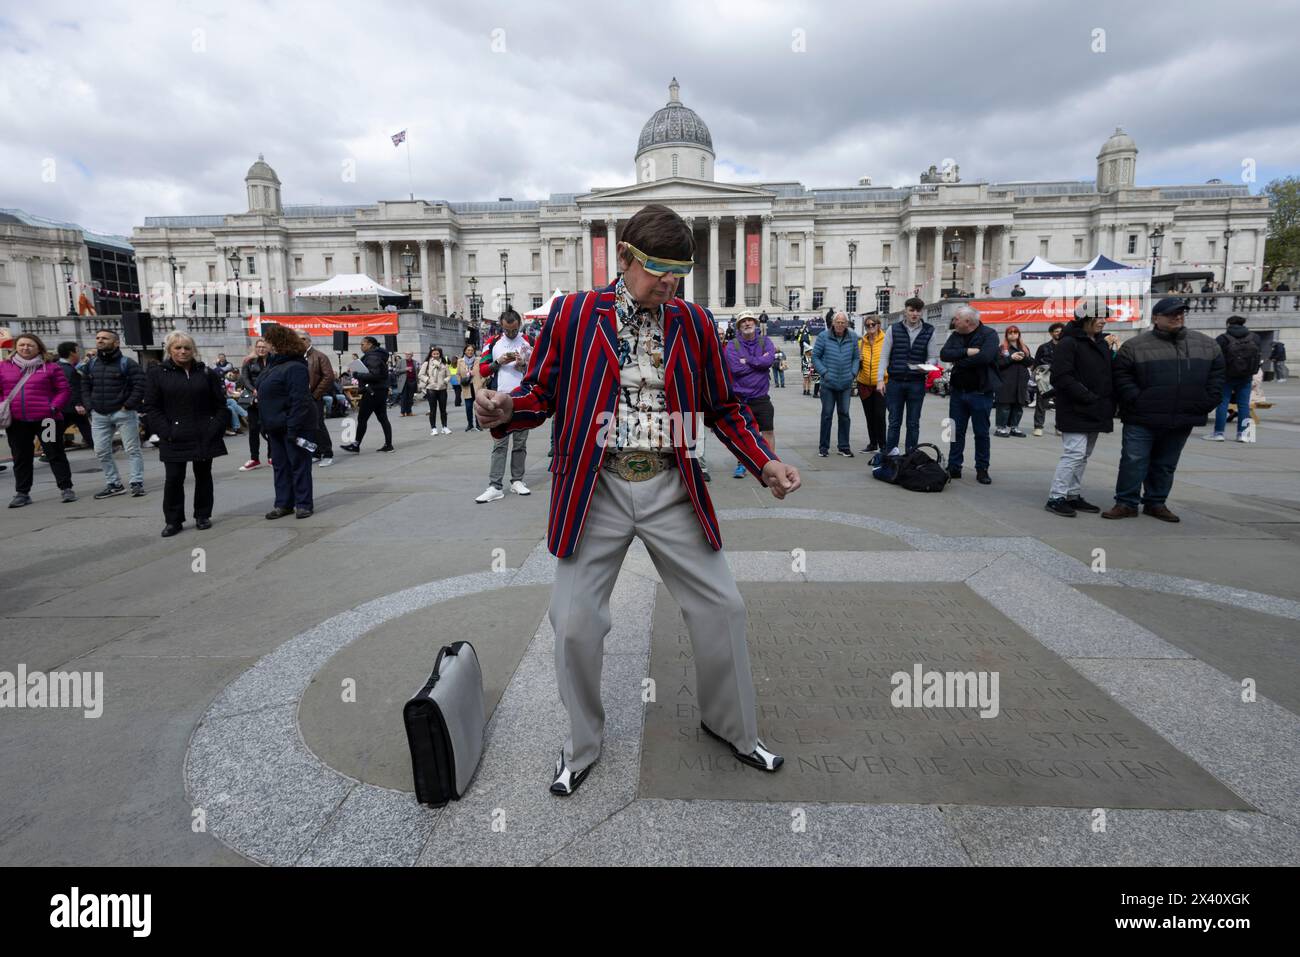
(120, 109)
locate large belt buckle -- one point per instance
(636, 466)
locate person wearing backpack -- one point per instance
(112, 389)
(1241, 360)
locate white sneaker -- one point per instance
(519, 488)
(433, 432)
(1213, 437)
(446, 431)
(491, 494)
(326, 462)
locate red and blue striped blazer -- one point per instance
(574, 375)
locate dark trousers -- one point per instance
(457, 388)
(1009, 413)
(291, 466)
(437, 399)
(1040, 408)
(408, 395)
(376, 404)
(834, 401)
(254, 433)
(82, 424)
(174, 491)
(469, 406)
(873, 407)
(969, 408)
(324, 447)
(900, 395)
(1147, 461)
(22, 443)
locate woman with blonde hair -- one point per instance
(185, 406)
(253, 366)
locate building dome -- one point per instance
(674, 124)
(1117, 162)
(1119, 140)
(261, 170)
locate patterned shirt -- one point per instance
(642, 422)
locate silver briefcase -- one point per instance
(444, 726)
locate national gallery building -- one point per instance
(781, 246)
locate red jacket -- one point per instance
(43, 396)
(574, 374)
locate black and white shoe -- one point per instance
(567, 781)
(1080, 504)
(760, 757)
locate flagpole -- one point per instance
(409, 179)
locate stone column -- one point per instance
(26, 301)
(54, 284)
(449, 275)
(741, 263)
(782, 298)
(977, 272)
(584, 245)
(715, 303)
(285, 296)
(909, 277)
(426, 284)
(263, 286)
(765, 260)
(611, 263)
(385, 248)
(546, 269)
(938, 263)
(1111, 244)
(688, 286)
(571, 245)
(808, 278)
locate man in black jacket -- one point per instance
(1043, 360)
(1085, 402)
(1166, 382)
(1278, 355)
(374, 394)
(112, 390)
(973, 351)
(68, 359)
(1241, 360)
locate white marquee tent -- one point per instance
(1040, 278)
(544, 310)
(348, 289)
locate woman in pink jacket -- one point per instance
(35, 407)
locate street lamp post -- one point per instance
(852, 296)
(505, 276)
(176, 296)
(408, 262)
(233, 259)
(954, 250)
(1157, 240)
(474, 310)
(1228, 233)
(883, 301)
(66, 265)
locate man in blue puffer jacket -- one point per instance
(836, 359)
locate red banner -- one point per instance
(354, 323)
(752, 277)
(598, 265)
(1025, 310)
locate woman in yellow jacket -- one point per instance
(873, 398)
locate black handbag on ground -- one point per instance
(915, 471)
(444, 726)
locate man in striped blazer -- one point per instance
(626, 370)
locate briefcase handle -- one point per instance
(443, 651)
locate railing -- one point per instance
(1239, 302)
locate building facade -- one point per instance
(33, 251)
(849, 247)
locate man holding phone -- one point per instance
(503, 362)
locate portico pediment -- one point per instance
(676, 189)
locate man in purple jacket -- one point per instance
(749, 357)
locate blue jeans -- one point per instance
(778, 377)
(1237, 392)
(101, 428)
(1147, 460)
(900, 394)
(971, 408)
(237, 413)
(833, 401)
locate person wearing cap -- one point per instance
(628, 370)
(749, 357)
(1085, 402)
(835, 357)
(1167, 381)
(1042, 368)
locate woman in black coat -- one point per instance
(1085, 403)
(1014, 364)
(185, 406)
(253, 367)
(288, 419)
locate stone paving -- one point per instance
(228, 736)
